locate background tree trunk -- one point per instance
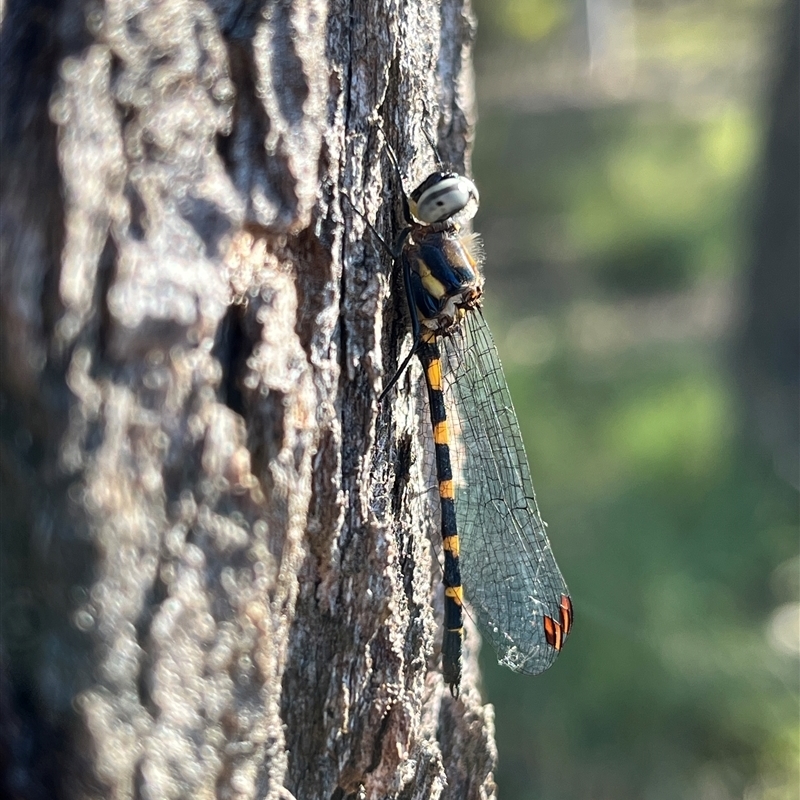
(216, 569)
(769, 345)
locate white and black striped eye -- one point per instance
(443, 196)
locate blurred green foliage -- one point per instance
(642, 200)
(529, 20)
(616, 214)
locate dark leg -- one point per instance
(415, 329)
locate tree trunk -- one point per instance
(769, 345)
(217, 577)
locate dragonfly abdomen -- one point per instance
(453, 592)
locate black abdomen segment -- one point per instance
(453, 593)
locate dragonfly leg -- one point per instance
(416, 330)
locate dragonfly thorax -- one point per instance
(444, 268)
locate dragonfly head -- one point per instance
(444, 196)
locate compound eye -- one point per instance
(444, 196)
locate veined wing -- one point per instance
(511, 580)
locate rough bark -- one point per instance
(217, 577)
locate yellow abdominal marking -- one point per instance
(456, 592)
(440, 433)
(450, 543)
(435, 375)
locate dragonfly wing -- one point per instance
(511, 580)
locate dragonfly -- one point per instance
(498, 561)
